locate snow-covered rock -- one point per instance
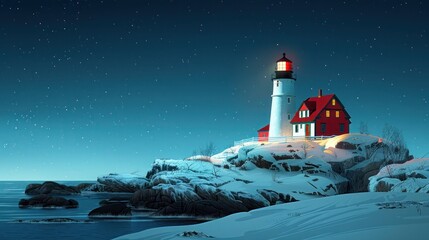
(114, 182)
(355, 157)
(347, 216)
(411, 176)
(358, 157)
(254, 175)
(201, 188)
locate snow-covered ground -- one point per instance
(254, 175)
(348, 216)
(336, 149)
(256, 185)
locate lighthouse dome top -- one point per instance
(284, 59)
(284, 64)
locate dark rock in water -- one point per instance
(123, 200)
(194, 234)
(53, 220)
(202, 201)
(111, 210)
(50, 188)
(46, 201)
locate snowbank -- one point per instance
(349, 216)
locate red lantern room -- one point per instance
(284, 64)
(284, 68)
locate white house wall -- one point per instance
(301, 130)
(313, 129)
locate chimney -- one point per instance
(320, 92)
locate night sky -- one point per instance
(93, 87)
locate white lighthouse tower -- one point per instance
(283, 100)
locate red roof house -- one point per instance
(323, 115)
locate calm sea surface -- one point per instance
(12, 192)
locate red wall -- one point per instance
(262, 136)
(332, 122)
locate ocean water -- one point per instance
(12, 191)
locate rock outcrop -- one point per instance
(254, 175)
(118, 183)
(46, 201)
(411, 176)
(358, 157)
(202, 201)
(111, 210)
(52, 220)
(50, 188)
(202, 189)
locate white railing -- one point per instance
(279, 139)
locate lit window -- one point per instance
(333, 102)
(281, 66)
(328, 113)
(337, 114)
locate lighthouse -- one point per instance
(283, 100)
